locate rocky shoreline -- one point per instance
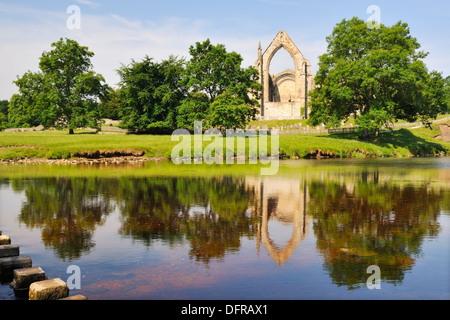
(133, 160)
(84, 161)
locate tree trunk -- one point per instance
(71, 131)
(365, 134)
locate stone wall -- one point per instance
(298, 128)
(38, 128)
(282, 111)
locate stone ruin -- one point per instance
(284, 95)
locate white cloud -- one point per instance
(113, 38)
(89, 3)
(127, 23)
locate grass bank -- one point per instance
(60, 145)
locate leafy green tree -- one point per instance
(230, 111)
(18, 116)
(111, 104)
(151, 94)
(76, 88)
(32, 106)
(377, 75)
(212, 71)
(195, 107)
(447, 93)
(65, 92)
(3, 114)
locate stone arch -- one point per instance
(282, 40)
(303, 81)
(281, 86)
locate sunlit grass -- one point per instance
(55, 144)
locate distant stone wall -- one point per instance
(282, 111)
(38, 128)
(298, 128)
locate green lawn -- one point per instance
(55, 144)
(60, 145)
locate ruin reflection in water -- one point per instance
(283, 200)
(359, 217)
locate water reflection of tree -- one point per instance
(67, 211)
(363, 224)
(210, 213)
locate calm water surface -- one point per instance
(161, 231)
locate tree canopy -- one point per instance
(63, 94)
(447, 92)
(210, 73)
(3, 114)
(377, 75)
(151, 94)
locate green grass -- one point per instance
(55, 144)
(350, 121)
(60, 145)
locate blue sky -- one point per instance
(118, 31)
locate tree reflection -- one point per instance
(210, 213)
(359, 219)
(67, 211)
(361, 224)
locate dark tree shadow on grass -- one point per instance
(402, 138)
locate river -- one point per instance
(316, 230)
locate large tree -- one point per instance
(377, 75)
(111, 104)
(211, 72)
(64, 93)
(151, 94)
(76, 88)
(3, 114)
(230, 111)
(33, 105)
(447, 92)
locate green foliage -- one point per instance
(18, 115)
(65, 92)
(26, 109)
(57, 144)
(376, 74)
(76, 88)
(211, 69)
(373, 120)
(151, 94)
(111, 104)
(447, 93)
(3, 114)
(211, 72)
(230, 111)
(194, 107)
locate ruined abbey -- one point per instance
(284, 95)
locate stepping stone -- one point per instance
(24, 277)
(77, 297)
(53, 289)
(5, 240)
(9, 250)
(9, 264)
